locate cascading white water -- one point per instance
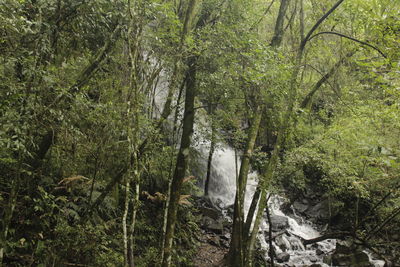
(222, 190)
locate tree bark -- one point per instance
(236, 252)
(182, 160)
(278, 34)
(210, 157)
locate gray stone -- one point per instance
(279, 222)
(355, 259)
(283, 257)
(212, 225)
(209, 212)
(282, 243)
(214, 240)
(319, 211)
(300, 207)
(343, 247)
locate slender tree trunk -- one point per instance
(124, 222)
(278, 34)
(210, 157)
(181, 164)
(182, 161)
(236, 251)
(252, 210)
(271, 250)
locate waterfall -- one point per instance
(287, 245)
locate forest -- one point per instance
(200, 133)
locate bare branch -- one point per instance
(350, 38)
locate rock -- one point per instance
(283, 257)
(216, 227)
(327, 260)
(282, 243)
(313, 258)
(319, 252)
(212, 225)
(279, 222)
(209, 212)
(343, 247)
(226, 236)
(214, 240)
(300, 207)
(355, 259)
(315, 265)
(319, 211)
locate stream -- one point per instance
(288, 247)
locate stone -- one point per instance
(343, 247)
(319, 211)
(212, 225)
(283, 257)
(279, 222)
(327, 260)
(226, 236)
(216, 227)
(282, 243)
(214, 240)
(354, 259)
(319, 252)
(300, 207)
(209, 212)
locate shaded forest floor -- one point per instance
(209, 253)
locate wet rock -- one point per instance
(343, 247)
(319, 252)
(313, 258)
(355, 259)
(226, 236)
(319, 211)
(282, 243)
(283, 257)
(327, 260)
(300, 207)
(214, 240)
(211, 225)
(279, 222)
(210, 212)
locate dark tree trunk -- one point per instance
(182, 162)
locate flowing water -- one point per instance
(222, 194)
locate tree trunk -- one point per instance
(182, 161)
(210, 157)
(236, 251)
(124, 223)
(278, 34)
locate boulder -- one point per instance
(279, 222)
(211, 225)
(319, 211)
(300, 207)
(283, 257)
(282, 242)
(214, 240)
(355, 259)
(209, 212)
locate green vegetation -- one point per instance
(98, 102)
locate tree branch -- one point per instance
(350, 38)
(316, 25)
